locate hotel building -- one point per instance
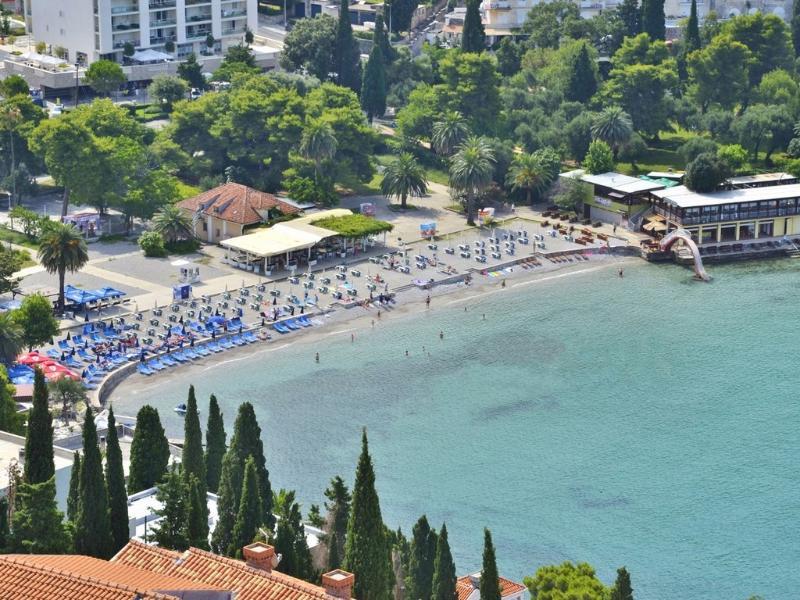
(89, 30)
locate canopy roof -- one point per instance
(683, 197)
(43, 59)
(625, 184)
(150, 55)
(279, 239)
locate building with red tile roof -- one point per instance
(469, 588)
(144, 572)
(73, 577)
(251, 579)
(224, 211)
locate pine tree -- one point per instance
(39, 466)
(419, 581)
(338, 509)
(192, 460)
(73, 496)
(334, 562)
(365, 553)
(246, 441)
(373, 89)
(582, 82)
(197, 515)
(93, 526)
(149, 451)
(215, 444)
(37, 525)
(4, 529)
(347, 55)
(653, 19)
(115, 483)
(622, 589)
(248, 517)
(171, 529)
(226, 508)
(490, 581)
(444, 570)
(473, 36)
(692, 36)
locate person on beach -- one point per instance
(503, 283)
(484, 316)
(428, 301)
(379, 314)
(441, 335)
(406, 352)
(352, 337)
(621, 272)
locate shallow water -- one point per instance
(649, 421)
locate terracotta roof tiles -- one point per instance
(465, 586)
(236, 203)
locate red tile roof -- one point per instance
(234, 575)
(465, 586)
(236, 203)
(22, 580)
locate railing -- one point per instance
(162, 4)
(163, 23)
(197, 35)
(162, 40)
(228, 14)
(198, 18)
(116, 10)
(234, 31)
(195, 2)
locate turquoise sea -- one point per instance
(650, 421)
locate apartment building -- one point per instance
(89, 30)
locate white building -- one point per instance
(89, 30)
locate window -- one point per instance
(205, 226)
(708, 235)
(747, 231)
(765, 229)
(728, 233)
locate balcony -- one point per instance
(233, 30)
(125, 10)
(161, 4)
(163, 23)
(197, 2)
(158, 41)
(197, 34)
(125, 27)
(232, 14)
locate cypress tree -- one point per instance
(37, 525)
(171, 529)
(92, 527)
(419, 582)
(338, 509)
(149, 451)
(197, 515)
(192, 460)
(373, 88)
(39, 466)
(4, 530)
(334, 562)
(622, 589)
(248, 517)
(653, 19)
(73, 497)
(796, 26)
(582, 83)
(631, 16)
(226, 508)
(215, 444)
(444, 570)
(365, 553)
(115, 483)
(284, 545)
(10, 419)
(290, 539)
(381, 38)
(490, 580)
(347, 55)
(473, 36)
(246, 441)
(692, 37)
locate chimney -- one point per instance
(339, 584)
(259, 556)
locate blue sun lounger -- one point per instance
(226, 343)
(155, 365)
(304, 321)
(281, 328)
(168, 360)
(291, 324)
(214, 347)
(64, 345)
(144, 370)
(249, 337)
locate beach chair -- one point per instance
(280, 328)
(64, 345)
(144, 370)
(154, 365)
(190, 353)
(97, 337)
(54, 354)
(304, 321)
(168, 360)
(179, 356)
(77, 340)
(226, 343)
(291, 324)
(71, 362)
(214, 347)
(202, 350)
(249, 336)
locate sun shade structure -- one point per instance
(279, 239)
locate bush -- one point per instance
(696, 146)
(794, 148)
(734, 156)
(599, 158)
(152, 243)
(182, 246)
(705, 173)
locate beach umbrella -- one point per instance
(32, 358)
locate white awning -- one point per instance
(279, 239)
(150, 55)
(42, 58)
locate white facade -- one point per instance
(92, 29)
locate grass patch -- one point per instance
(182, 246)
(398, 208)
(112, 238)
(15, 237)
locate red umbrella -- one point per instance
(33, 358)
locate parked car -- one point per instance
(195, 94)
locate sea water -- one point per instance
(649, 421)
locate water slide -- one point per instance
(682, 234)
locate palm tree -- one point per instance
(613, 126)
(318, 143)
(403, 178)
(528, 173)
(62, 249)
(10, 338)
(172, 223)
(471, 170)
(449, 133)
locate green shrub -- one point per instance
(182, 246)
(152, 243)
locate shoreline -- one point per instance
(359, 318)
